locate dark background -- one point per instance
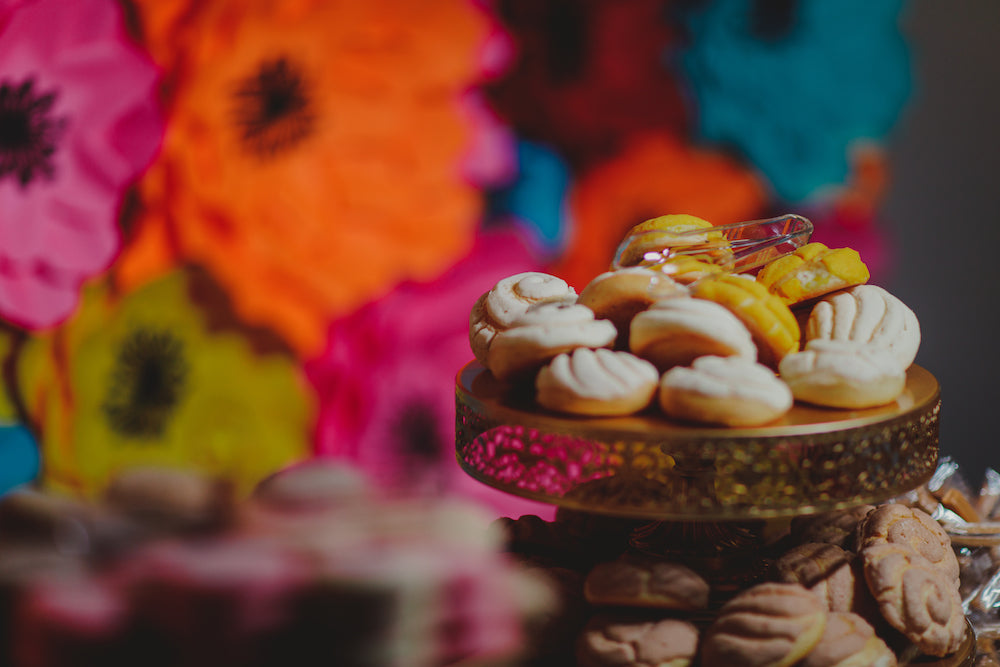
(943, 211)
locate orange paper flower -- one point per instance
(656, 174)
(312, 153)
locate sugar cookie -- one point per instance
(774, 328)
(732, 391)
(656, 584)
(843, 374)
(849, 641)
(498, 309)
(596, 382)
(826, 570)
(610, 642)
(675, 332)
(618, 295)
(867, 314)
(543, 332)
(894, 523)
(812, 271)
(767, 625)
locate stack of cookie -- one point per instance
(694, 341)
(867, 586)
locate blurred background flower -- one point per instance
(78, 122)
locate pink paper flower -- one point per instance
(78, 122)
(386, 380)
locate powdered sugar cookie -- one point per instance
(867, 314)
(733, 391)
(675, 332)
(618, 295)
(543, 332)
(596, 382)
(843, 374)
(498, 309)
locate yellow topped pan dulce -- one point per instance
(812, 271)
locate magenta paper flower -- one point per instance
(386, 380)
(78, 122)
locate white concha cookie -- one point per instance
(543, 332)
(867, 314)
(733, 391)
(596, 382)
(498, 309)
(619, 295)
(843, 374)
(675, 332)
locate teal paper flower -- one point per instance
(792, 85)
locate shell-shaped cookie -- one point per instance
(843, 374)
(655, 584)
(916, 597)
(811, 271)
(774, 328)
(543, 332)
(675, 332)
(501, 306)
(733, 391)
(849, 641)
(867, 314)
(826, 570)
(618, 295)
(596, 382)
(894, 523)
(607, 641)
(767, 625)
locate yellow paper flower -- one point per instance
(311, 160)
(142, 381)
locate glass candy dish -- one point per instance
(735, 248)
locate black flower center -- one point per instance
(273, 109)
(146, 383)
(29, 134)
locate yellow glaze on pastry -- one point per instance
(770, 321)
(811, 271)
(655, 234)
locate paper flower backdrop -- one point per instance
(328, 130)
(142, 380)
(78, 122)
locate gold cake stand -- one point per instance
(711, 495)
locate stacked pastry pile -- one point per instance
(315, 568)
(865, 586)
(679, 333)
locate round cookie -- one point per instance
(596, 382)
(913, 528)
(732, 391)
(843, 374)
(828, 571)
(497, 309)
(812, 271)
(849, 641)
(772, 325)
(543, 332)
(867, 314)
(675, 332)
(618, 295)
(767, 625)
(916, 597)
(657, 584)
(608, 642)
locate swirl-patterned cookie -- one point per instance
(849, 641)
(812, 271)
(867, 314)
(767, 625)
(618, 295)
(911, 527)
(543, 332)
(915, 597)
(596, 382)
(774, 328)
(498, 309)
(675, 332)
(610, 642)
(732, 391)
(826, 570)
(843, 374)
